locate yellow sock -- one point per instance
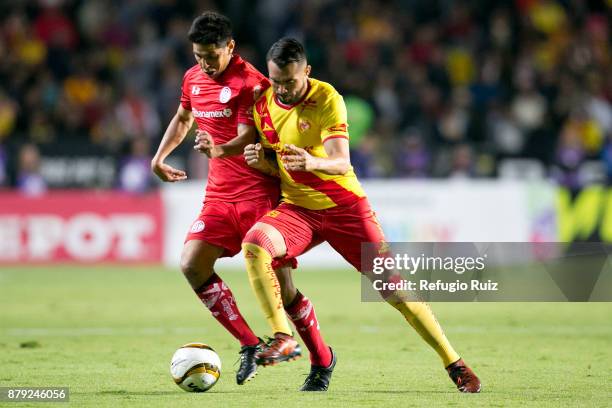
(266, 287)
(422, 319)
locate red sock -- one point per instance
(302, 314)
(218, 298)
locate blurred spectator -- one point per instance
(3, 167)
(412, 158)
(136, 115)
(432, 88)
(606, 156)
(365, 158)
(54, 28)
(8, 115)
(462, 162)
(29, 179)
(135, 171)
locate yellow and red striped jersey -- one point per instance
(317, 117)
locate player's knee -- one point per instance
(187, 267)
(261, 239)
(195, 271)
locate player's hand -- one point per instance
(254, 155)
(297, 159)
(204, 142)
(167, 173)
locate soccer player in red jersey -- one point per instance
(304, 121)
(219, 92)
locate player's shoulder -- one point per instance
(322, 90)
(194, 70)
(191, 72)
(245, 70)
(264, 100)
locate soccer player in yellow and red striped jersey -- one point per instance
(304, 122)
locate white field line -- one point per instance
(98, 331)
(157, 331)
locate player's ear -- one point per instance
(231, 44)
(307, 70)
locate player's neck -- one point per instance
(227, 67)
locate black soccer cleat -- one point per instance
(319, 377)
(248, 365)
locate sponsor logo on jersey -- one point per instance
(225, 113)
(338, 128)
(309, 103)
(225, 95)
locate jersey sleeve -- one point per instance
(253, 88)
(334, 118)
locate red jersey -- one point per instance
(218, 106)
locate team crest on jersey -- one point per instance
(197, 226)
(304, 125)
(225, 95)
(195, 90)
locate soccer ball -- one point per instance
(195, 367)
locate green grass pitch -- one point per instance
(108, 333)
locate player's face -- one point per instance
(213, 59)
(289, 83)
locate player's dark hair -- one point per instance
(285, 51)
(210, 28)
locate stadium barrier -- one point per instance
(431, 210)
(81, 227)
(94, 226)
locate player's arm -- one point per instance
(204, 142)
(175, 133)
(337, 162)
(258, 158)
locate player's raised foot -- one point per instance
(248, 364)
(319, 377)
(464, 378)
(282, 347)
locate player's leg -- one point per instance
(197, 264)
(301, 311)
(266, 240)
(214, 235)
(302, 314)
(345, 232)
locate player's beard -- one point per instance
(212, 74)
(287, 100)
(292, 98)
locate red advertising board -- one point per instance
(81, 226)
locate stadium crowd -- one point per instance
(434, 88)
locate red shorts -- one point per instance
(345, 228)
(225, 224)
